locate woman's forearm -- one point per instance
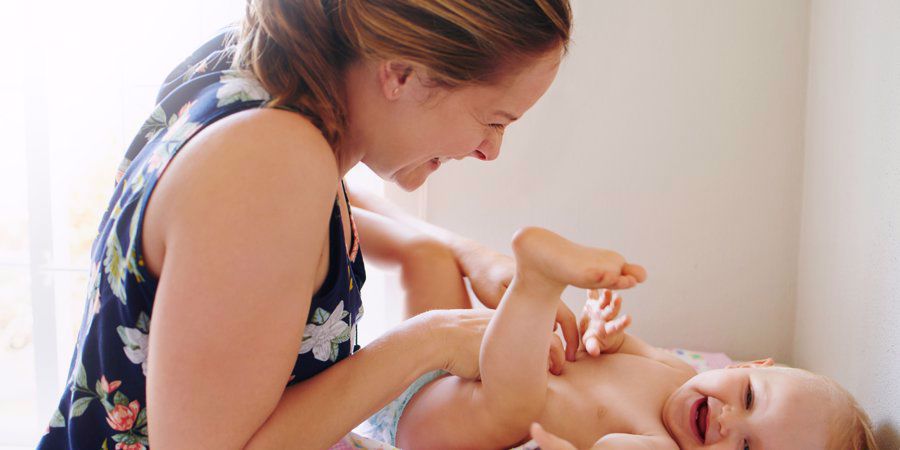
(316, 413)
(430, 275)
(405, 239)
(460, 246)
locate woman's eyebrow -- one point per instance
(511, 117)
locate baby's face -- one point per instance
(749, 408)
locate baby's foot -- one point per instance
(546, 257)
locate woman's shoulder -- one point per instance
(257, 171)
(270, 154)
(267, 133)
(262, 143)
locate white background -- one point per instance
(745, 151)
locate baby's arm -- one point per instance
(456, 413)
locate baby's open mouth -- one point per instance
(700, 416)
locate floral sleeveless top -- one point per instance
(104, 402)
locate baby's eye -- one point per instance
(746, 445)
(748, 401)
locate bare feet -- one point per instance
(547, 258)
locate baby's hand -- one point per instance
(604, 331)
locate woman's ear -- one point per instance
(768, 362)
(394, 76)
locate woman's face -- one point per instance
(403, 128)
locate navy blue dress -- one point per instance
(104, 402)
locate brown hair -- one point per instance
(298, 49)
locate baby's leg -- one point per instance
(517, 341)
(451, 412)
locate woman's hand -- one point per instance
(490, 273)
(456, 334)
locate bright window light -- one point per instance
(78, 79)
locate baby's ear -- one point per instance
(768, 362)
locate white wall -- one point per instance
(673, 135)
(848, 302)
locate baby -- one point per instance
(620, 393)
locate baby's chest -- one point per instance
(611, 395)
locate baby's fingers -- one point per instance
(595, 333)
(606, 298)
(617, 326)
(611, 311)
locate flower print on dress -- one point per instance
(115, 266)
(134, 261)
(179, 131)
(156, 123)
(137, 341)
(124, 446)
(354, 330)
(93, 296)
(136, 184)
(129, 420)
(325, 333)
(122, 417)
(239, 87)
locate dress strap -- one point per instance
(354, 246)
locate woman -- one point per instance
(238, 262)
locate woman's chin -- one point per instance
(410, 180)
(409, 183)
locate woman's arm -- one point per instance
(489, 272)
(435, 253)
(430, 275)
(235, 231)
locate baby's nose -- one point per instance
(726, 420)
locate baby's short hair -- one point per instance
(851, 428)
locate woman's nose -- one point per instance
(487, 151)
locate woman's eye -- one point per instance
(749, 400)
(498, 126)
